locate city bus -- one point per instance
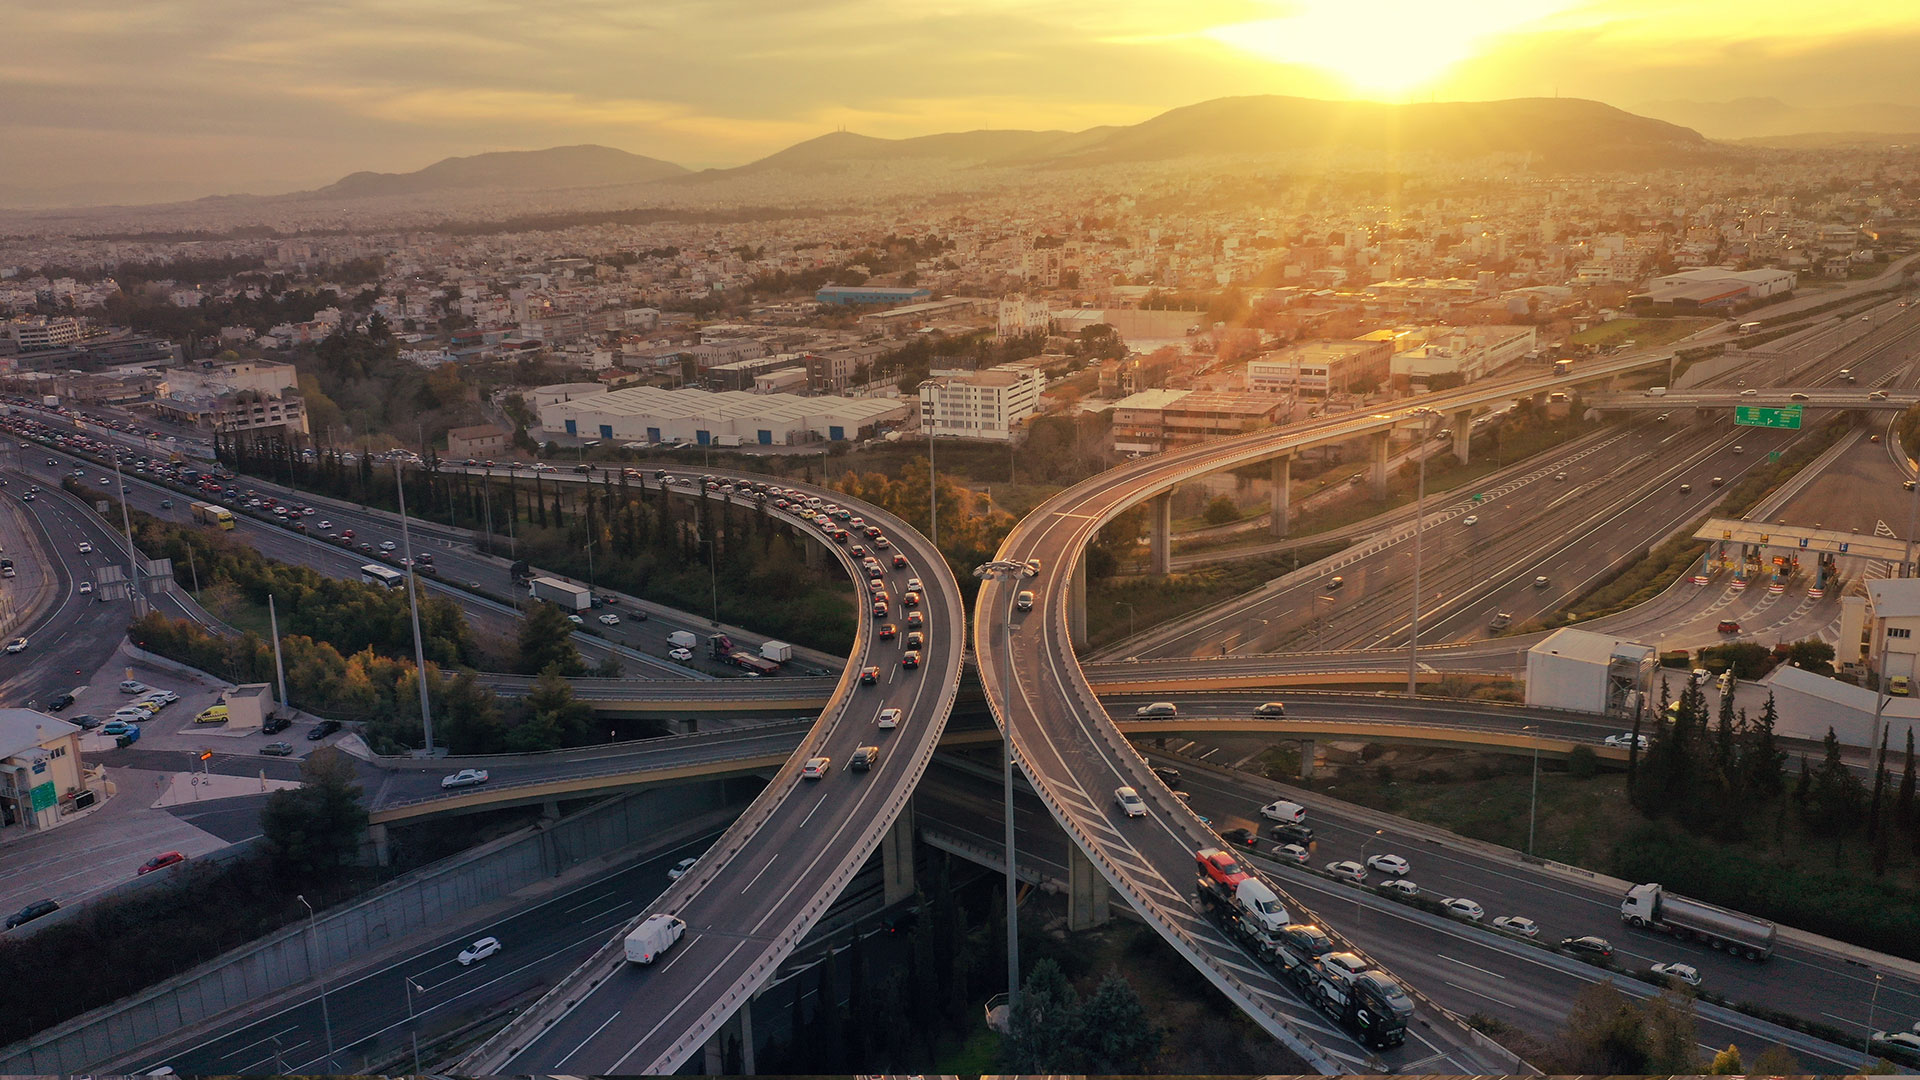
(374, 574)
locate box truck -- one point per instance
(682, 639)
(653, 937)
(1651, 907)
(777, 651)
(570, 597)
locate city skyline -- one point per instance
(209, 98)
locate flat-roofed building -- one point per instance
(990, 404)
(1470, 352)
(1318, 368)
(1155, 420)
(41, 777)
(653, 415)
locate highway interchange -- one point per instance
(1077, 753)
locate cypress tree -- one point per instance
(1879, 790)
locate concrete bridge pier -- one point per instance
(1462, 434)
(1306, 759)
(1160, 528)
(1380, 456)
(1282, 494)
(1077, 604)
(1086, 892)
(739, 1027)
(382, 847)
(896, 857)
(816, 552)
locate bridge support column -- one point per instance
(1282, 495)
(816, 552)
(896, 857)
(1077, 604)
(1086, 892)
(1380, 455)
(549, 811)
(1161, 527)
(382, 849)
(1462, 434)
(738, 1030)
(1306, 759)
(689, 726)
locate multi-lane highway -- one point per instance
(749, 902)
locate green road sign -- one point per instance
(1767, 416)
(1773, 455)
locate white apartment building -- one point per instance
(1472, 352)
(1020, 316)
(988, 404)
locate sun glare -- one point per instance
(1385, 48)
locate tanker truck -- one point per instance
(1651, 907)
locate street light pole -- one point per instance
(1419, 522)
(413, 607)
(326, 1017)
(412, 1031)
(1871, 1002)
(1533, 800)
(1129, 607)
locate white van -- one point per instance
(1158, 708)
(653, 937)
(1289, 813)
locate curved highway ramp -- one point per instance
(753, 896)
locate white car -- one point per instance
(1401, 886)
(479, 950)
(1348, 870)
(816, 768)
(86, 548)
(1292, 853)
(1471, 519)
(1130, 802)
(680, 869)
(1625, 738)
(576, 620)
(464, 778)
(86, 587)
(1281, 810)
(134, 686)
(913, 585)
(609, 619)
(1392, 865)
(17, 645)
(889, 719)
(680, 654)
(325, 525)
(1464, 908)
(1685, 973)
(387, 545)
(163, 698)
(1518, 924)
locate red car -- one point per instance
(164, 859)
(1220, 866)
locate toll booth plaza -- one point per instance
(1759, 554)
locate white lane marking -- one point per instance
(1464, 964)
(689, 996)
(765, 866)
(588, 1039)
(1478, 994)
(258, 1041)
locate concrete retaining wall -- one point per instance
(425, 900)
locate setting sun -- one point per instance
(1389, 48)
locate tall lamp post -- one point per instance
(1871, 1002)
(412, 1031)
(326, 1017)
(1377, 834)
(1533, 800)
(1129, 607)
(1419, 523)
(413, 607)
(996, 570)
(933, 488)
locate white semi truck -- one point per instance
(1651, 907)
(570, 597)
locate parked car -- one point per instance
(464, 778)
(160, 861)
(1389, 864)
(1685, 973)
(212, 714)
(323, 729)
(134, 686)
(274, 725)
(1597, 948)
(1518, 924)
(59, 701)
(35, 910)
(119, 727)
(278, 749)
(479, 950)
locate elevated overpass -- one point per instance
(755, 894)
(1075, 755)
(413, 791)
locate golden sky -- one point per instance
(203, 96)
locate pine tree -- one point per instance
(1763, 762)
(1879, 790)
(1903, 804)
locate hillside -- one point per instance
(558, 167)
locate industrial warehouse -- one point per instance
(652, 415)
